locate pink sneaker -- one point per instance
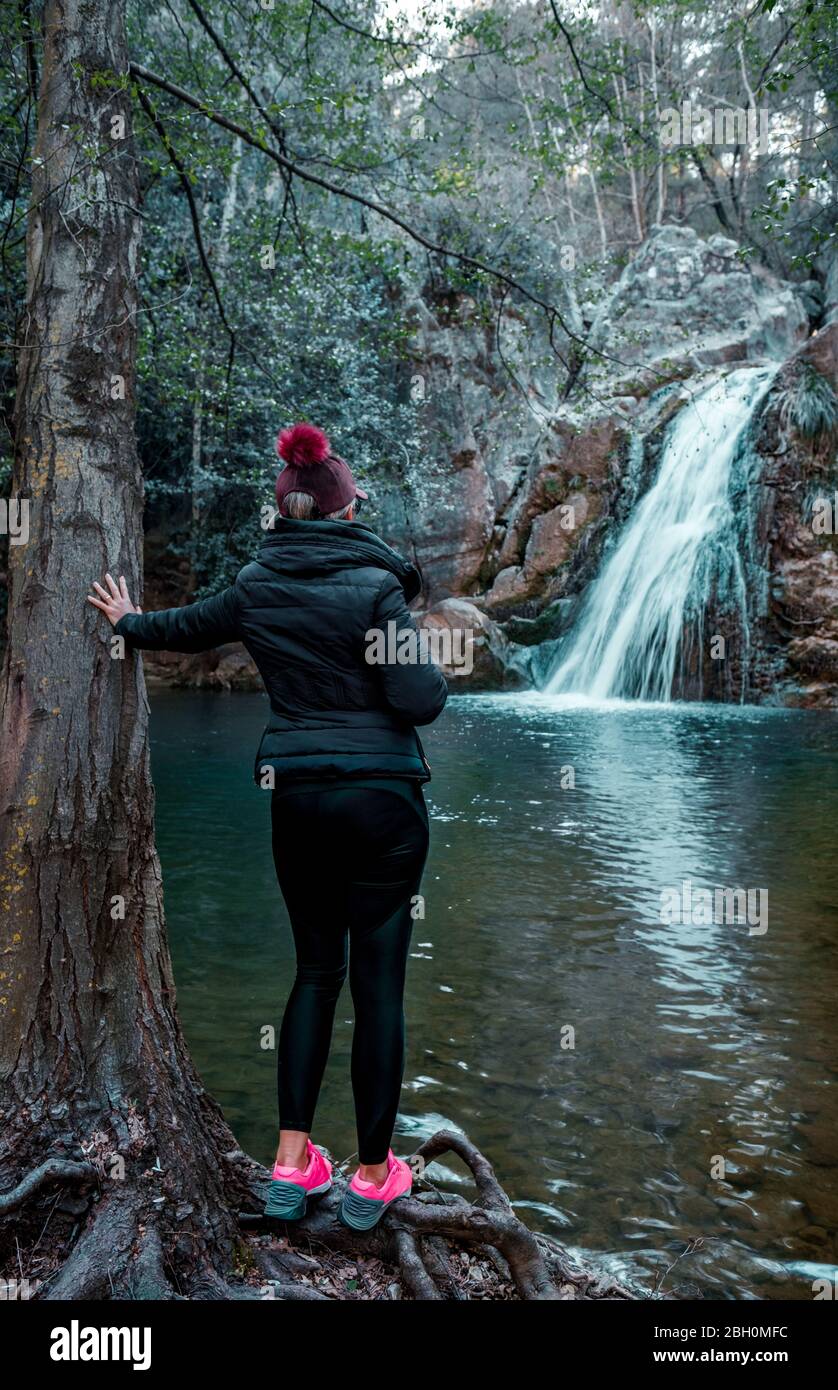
(291, 1187)
(364, 1204)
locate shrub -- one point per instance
(809, 405)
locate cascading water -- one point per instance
(680, 544)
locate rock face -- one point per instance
(225, 668)
(799, 521)
(520, 491)
(495, 514)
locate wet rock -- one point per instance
(821, 350)
(821, 1145)
(552, 539)
(801, 627)
(510, 585)
(554, 533)
(823, 1208)
(813, 1235)
(816, 657)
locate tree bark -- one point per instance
(93, 1065)
(661, 168)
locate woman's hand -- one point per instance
(114, 604)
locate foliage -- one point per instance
(809, 405)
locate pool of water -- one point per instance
(656, 1087)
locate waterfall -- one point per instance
(681, 544)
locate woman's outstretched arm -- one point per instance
(196, 627)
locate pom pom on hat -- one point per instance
(311, 467)
(303, 446)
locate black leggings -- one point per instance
(348, 860)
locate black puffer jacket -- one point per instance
(303, 609)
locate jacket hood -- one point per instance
(311, 548)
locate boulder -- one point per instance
(479, 655)
(689, 302)
(552, 538)
(226, 668)
(553, 533)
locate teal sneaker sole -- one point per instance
(362, 1213)
(287, 1201)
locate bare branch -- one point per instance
(551, 310)
(193, 210)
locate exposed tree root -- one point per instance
(148, 1279)
(412, 1267)
(432, 1246)
(53, 1170)
(98, 1262)
(443, 1247)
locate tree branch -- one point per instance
(193, 209)
(240, 77)
(180, 94)
(715, 195)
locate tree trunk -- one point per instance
(661, 169)
(636, 207)
(95, 1075)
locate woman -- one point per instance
(345, 767)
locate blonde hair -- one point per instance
(300, 506)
